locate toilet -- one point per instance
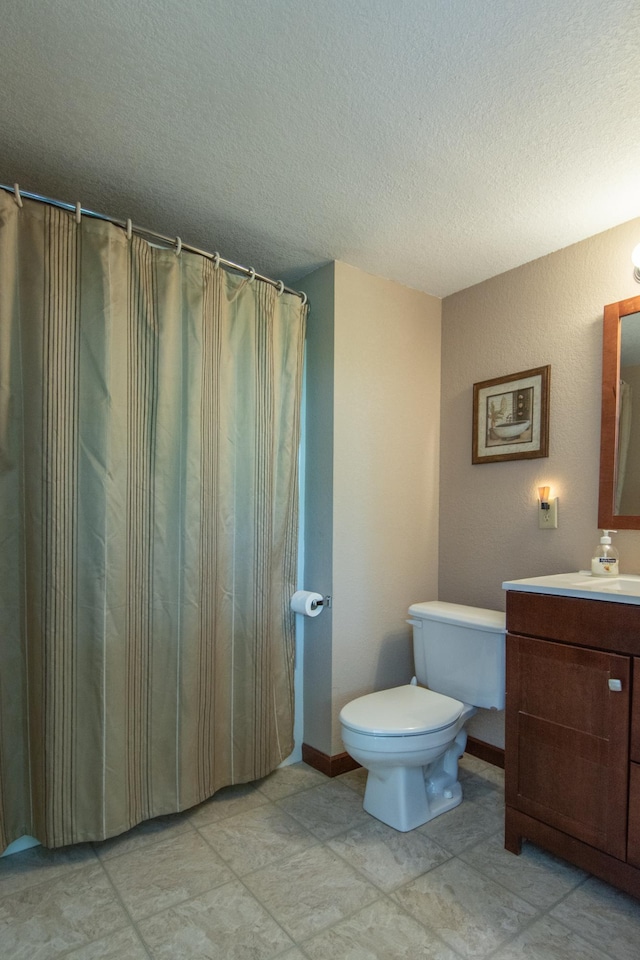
(410, 738)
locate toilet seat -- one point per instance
(403, 711)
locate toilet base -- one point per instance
(406, 797)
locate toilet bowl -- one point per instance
(410, 738)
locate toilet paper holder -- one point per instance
(309, 603)
(325, 602)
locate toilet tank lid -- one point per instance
(481, 619)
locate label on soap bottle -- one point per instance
(604, 567)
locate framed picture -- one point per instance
(511, 417)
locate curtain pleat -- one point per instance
(149, 431)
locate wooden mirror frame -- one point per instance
(613, 314)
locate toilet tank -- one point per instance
(460, 651)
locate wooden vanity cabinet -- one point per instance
(633, 841)
(572, 749)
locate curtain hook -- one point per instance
(78, 212)
(280, 288)
(178, 246)
(304, 299)
(252, 274)
(129, 229)
(16, 192)
(216, 260)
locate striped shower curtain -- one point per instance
(149, 427)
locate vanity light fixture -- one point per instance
(548, 509)
(635, 260)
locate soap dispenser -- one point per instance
(605, 557)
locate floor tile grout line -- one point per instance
(270, 914)
(299, 819)
(323, 929)
(71, 869)
(235, 879)
(495, 950)
(153, 840)
(248, 812)
(574, 933)
(521, 896)
(470, 846)
(293, 793)
(584, 935)
(267, 798)
(540, 916)
(397, 906)
(524, 926)
(343, 919)
(541, 911)
(177, 903)
(186, 817)
(181, 903)
(132, 921)
(486, 877)
(434, 933)
(448, 856)
(249, 873)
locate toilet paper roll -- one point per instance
(307, 603)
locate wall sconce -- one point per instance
(635, 260)
(547, 509)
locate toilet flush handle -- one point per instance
(415, 623)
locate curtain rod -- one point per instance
(142, 231)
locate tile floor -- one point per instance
(291, 867)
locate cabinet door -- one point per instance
(633, 849)
(567, 743)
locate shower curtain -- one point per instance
(149, 428)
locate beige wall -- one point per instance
(548, 311)
(382, 421)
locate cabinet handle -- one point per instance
(615, 685)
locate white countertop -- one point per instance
(622, 589)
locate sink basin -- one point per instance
(624, 588)
(614, 584)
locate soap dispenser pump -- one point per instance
(605, 558)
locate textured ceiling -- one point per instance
(434, 142)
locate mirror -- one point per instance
(619, 503)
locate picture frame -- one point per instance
(511, 417)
